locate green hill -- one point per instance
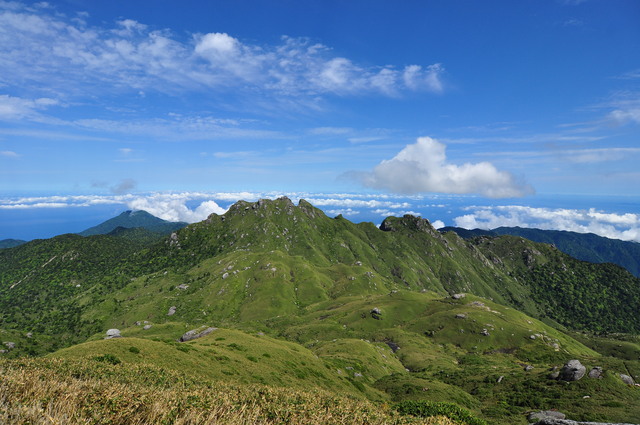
(298, 299)
(583, 246)
(133, 219)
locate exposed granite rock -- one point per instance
(551, 421)
(595, 373)
(376, 313)
(545, 414)
(627, 379)
(573, 370)
(113, 333)
(196, 333)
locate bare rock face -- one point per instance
(113, 333)
(196, 333)
(573, 370)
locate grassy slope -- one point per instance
(297, 275)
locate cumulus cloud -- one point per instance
(45, 47)
(611, 225)
(423, 167)
(174, 208)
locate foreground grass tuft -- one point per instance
(55, 391)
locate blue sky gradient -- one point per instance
(508, 102)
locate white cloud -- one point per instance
(599, 155)
(438, 224)
(624, 116)
(45, 48)
(9, 154)
(611, 225)
(174, 208)
(16, 108)
(423, 167)
(416, 78)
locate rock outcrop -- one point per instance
(196, 333)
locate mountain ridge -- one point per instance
(380, 313)
(583, 246)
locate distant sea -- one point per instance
(610, 216)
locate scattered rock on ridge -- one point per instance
(573, 370)
(595, 373)
(545, 414)
(113, 333)
(196, 333)
(627, 379)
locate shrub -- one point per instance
(426, 409)
(108, 358)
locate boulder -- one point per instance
(573, 370)
(627, 379)
(376, 313)
(172, 311)
(146, 327)
(458, 296)
(196, 333)
(461, 316)
(545, 414)
(595, 373)
(10, 345)
(113, 333)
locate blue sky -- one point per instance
(504, 102)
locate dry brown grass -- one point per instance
(48, 391)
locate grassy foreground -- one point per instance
(56, 391)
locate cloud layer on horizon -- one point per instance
(611, 225)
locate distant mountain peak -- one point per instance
(131, 219)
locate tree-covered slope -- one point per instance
(583, 246)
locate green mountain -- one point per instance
(133, 219)
(292, 298)
(583, 246)
(10, 243)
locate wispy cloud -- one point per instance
(70, 58)
(12, 108)
(9, 154)
(423, 167)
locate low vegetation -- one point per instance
(48, 391)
